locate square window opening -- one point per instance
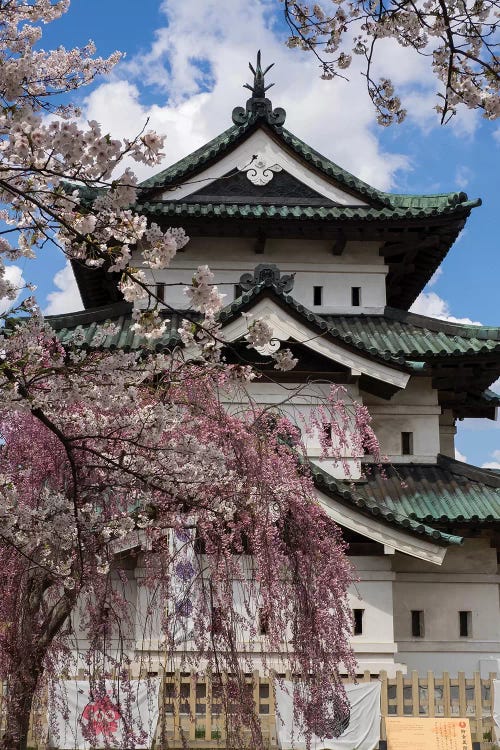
(356, 296)
(317, 295)
(407, 443)
(238, 291)
(417, 623)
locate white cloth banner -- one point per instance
(77, 721)
(183, 580)
(496, 706)
(363, 732)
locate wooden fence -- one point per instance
(191, 713)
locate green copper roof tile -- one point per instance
(412, 338)
(360, 496)
(448, 491)
(197, 158)
(324, 213)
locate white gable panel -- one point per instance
(380, 532)
(284, 327)
(260, 147)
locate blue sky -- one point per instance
(185, 63)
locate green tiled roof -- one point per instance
(359, 497)
(397, 336)
(416, 205)
(434, 221)
(88, 322)
(176, 209)
(447, 492)
(415, 337)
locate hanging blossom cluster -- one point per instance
(460, 38)
(105, 453)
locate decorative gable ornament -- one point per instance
(259, 106)
(260, 171)
(267, 272)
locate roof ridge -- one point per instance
(326, 324)
(196, 157)
(90, 315)
(348, 339)
(331, 168)
(475, 473)
(443, 326)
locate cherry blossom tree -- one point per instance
(109, 450)
(461, 39)
(106, 451)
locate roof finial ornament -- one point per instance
(259, 106)
(258, 89)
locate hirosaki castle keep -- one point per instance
(333, 265)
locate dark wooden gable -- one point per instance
(235, 187)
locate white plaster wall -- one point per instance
(414, 409)
(444, 661)
(467, 581)
(297, 402)
(121, 635)
(447, 432)
(375, 649)
(311, 260)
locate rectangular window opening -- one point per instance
(263, 621)
(160, 292)
(317, 295)
(357, 616)
(238, 291)
(407, 443)
(355, 296)
(417, 623)
(465, 623)
(216, 621)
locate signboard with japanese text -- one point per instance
(415, 733)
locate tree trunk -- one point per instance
(19, 702)
(27, 666)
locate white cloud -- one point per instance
(336, 117)
(431, 304)
(14, 275)
(463, 175)
(67, 297)
(495, 464)
(460, 456)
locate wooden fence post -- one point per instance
(384, 704)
